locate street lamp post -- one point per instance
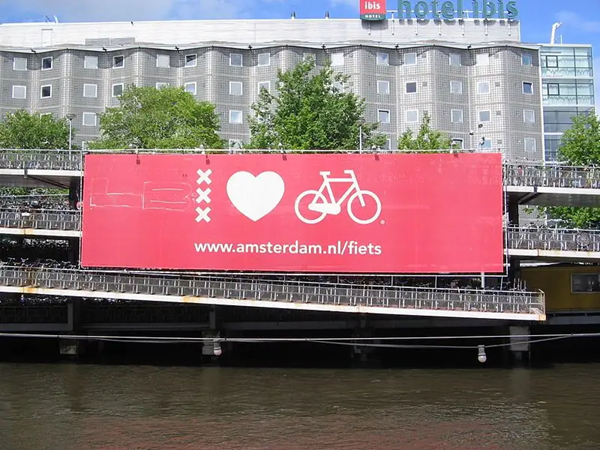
(70, 117)
(361, 122)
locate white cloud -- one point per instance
(125, 10)
(571, 18)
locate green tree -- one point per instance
(426, 139)
(580, 146)
(311, 110)
(162, 118)
(22, 130)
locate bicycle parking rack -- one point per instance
(438, 302)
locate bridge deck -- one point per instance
(401, 301)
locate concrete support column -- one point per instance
(71, 349)
(519, 344)
(211, 350)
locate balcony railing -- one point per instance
(40, 159)
(261, 290)
(554, 239)
(67, 220)
(515, 174)
(519, 238)
(551, 176)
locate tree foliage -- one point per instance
(426, 139)
(580, 146)
(311, 110)
(22, 130)
(162, 118)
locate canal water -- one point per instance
(117, 407)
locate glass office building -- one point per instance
(567, 90)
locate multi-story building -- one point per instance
(568, 89)
(475, 78)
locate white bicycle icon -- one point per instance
(322, 205)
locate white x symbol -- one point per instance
(204, 176)
(202, 214)
(203, 196)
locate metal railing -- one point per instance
(515, 174)
(551, 176)
(63, 220)
(516, 302)
(40, 159)
(557, 239)
(521, 238)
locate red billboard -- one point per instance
(372, 9)
(372, 213)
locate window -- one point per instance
(528, 116)
(410, 59)
(337, 86)
(163, 61)
(530, 145)
(235, 144)
(485, 116)
(19, 63)
(483, 59)
(264, 59)
(235, 116)
(89, 119)
(527, 87)
(553, 89)
(90, 62)
(456, 87)
(582, 283)
(337, 59)
(485, 143)
(383, 116)
(47, 63)
(383, 59)
(118, 62)
(455, 59)
(46, 91)
(458, 143)
(411, 87)
(264, 85)
(190, 87)
(236, 60)
(526, 59)
(117, 89)
(191, 60)
(236, 88)
(19, 92)
(412, 116)
(383, 87)
(90, 90)
(456, 116)
(161, 85)
(483, 87)
(552, 62)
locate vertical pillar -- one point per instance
(519, 346)
(71, 349)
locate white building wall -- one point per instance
(316, 31)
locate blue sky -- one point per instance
(580, 18)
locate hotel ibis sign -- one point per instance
(442, 9)
(373, 9)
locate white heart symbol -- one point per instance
(255, 197)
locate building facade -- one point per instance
(568, 90)
(476, 80)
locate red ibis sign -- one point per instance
(373, 10)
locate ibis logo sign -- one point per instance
(373, 9)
